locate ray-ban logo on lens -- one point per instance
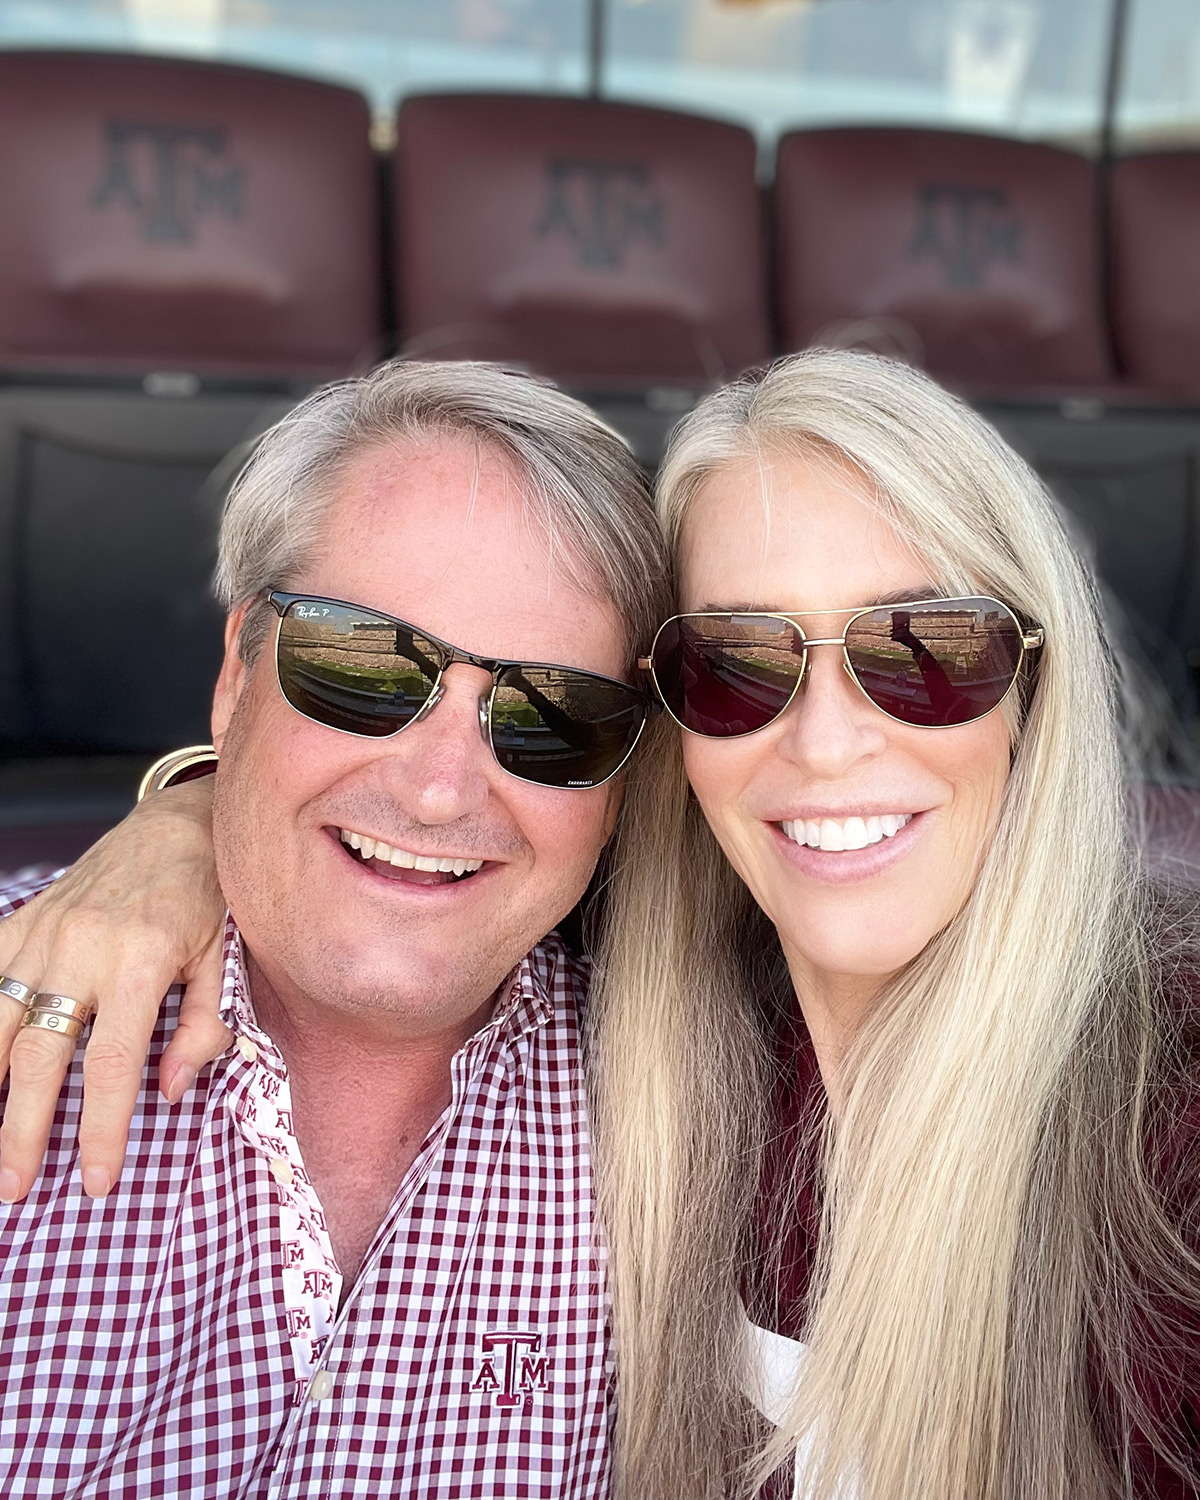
(511, 1366)
(169, 177)
(603, 207)
(967, 229)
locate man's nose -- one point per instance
(830, 725)
(438, 767)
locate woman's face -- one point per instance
(799, 534)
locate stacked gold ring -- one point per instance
(59, 1013)
(15, 990)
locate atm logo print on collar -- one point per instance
(967, 229)
(169, 176)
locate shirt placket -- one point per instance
(347, 1347)
(327, 1340)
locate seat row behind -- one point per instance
(222, 222)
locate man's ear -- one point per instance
(232, 681)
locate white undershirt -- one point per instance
(772, 1370)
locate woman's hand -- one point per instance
(140, 910)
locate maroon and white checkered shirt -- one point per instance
(190, 1334)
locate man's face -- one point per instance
(436, 534)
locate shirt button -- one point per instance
(247, 1048)
(322, 1386)
(281, 1171)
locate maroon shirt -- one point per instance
(191, 1337)
(1166, 1362)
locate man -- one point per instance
(360, 1257)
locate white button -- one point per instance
(322, 1385)
(282, 1171)
(247, 1048)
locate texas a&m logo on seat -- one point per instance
(602, 207)
(170, 177)
(966, 229)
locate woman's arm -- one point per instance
(139, 911)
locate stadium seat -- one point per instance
(979, 259)
(185, 249)
(1154, 268)
(177, 216)
(1129, 467)
(616, 248)
(969, 255)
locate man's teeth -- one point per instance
(377, 849)
(849, 833)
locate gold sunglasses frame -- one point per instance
(1032, 638)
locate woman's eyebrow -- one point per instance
(901, 596)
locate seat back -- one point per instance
(182, 216)
(1155, 268)
(599, 243)
(110, 638)
(1128, 479)
(969, 255)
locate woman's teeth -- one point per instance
(849, 833)
(402, 859)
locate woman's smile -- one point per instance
(842, 851)
(836, 834)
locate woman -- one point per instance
(890, 1044)
(1003, 1296)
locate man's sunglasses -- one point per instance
(368, 674)
(929, 662)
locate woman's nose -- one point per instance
(830, 725)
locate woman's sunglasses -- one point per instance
(930, 662)
(369, 674)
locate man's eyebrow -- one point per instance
(901, 596)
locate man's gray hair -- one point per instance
(581, 483)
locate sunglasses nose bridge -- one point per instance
(807, 663)
(435, 697)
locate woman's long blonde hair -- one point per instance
(990, 1237)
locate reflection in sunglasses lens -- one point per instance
(351, 670)
(725, 675)
(562, 728)
(933, 665)
(936, 665)
(362, 673)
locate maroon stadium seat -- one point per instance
(972, 256)
(1155, 269)
(182, 216)
(184, 248)
(606, 245)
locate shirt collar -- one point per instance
(527, 1002)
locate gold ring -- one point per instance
(61, 1005)
(15, 990)
(49, 1020)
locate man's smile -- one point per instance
(401, 864)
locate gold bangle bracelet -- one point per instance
(169, 768)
